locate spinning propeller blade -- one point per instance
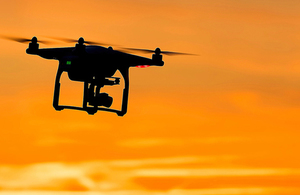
(67, 40)
(23, 40)
(158, 51)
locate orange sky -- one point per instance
(223, 122)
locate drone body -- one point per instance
(95, 67)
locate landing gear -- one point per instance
(93, 100)
(59, 108)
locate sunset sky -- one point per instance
(222, 122)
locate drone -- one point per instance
(95, 66)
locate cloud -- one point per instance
(92, 175)
(150, 142)
(220, 191)
(208, 172)
(118, 175)
(134, 163)
(54, 176)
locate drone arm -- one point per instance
(125, 74)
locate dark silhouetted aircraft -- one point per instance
(94, 66)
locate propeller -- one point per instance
(158, 51)
(24, 40)
(80, 40)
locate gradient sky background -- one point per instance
(224, 122)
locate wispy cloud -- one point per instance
(93, 175)
(220, 191)
(149, 142)
(213, 172)
(159, 161)
(121, 174)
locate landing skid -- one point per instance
(87, 95)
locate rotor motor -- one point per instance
(157, 55)
(33, 46)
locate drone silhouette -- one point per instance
(95, 66)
